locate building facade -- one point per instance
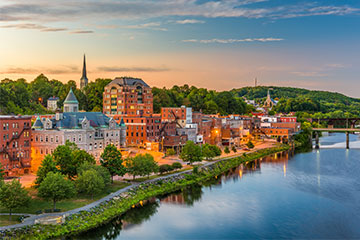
(15, 144)
(127, 97)
(91, 131)
(52, 103)
(182, 114)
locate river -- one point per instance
(307, 195)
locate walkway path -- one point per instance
(31, 219)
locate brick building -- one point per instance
(295, 126)
(15, 144)
(128, 97)
(182, 114)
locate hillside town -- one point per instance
(129, 123)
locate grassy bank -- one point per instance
(37, 204)
(5, 220)
(106, 211)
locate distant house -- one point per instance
(52, 103)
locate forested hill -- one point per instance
(290, 92)
(22, 97)
(298, 99)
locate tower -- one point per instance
(71, 104)
(83, 80)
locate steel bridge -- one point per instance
(348, 125)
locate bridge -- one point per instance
(330, 128)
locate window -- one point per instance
(80, 136)
(56, 139)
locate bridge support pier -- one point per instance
(317, 146)
(347, 140)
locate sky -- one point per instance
(214, 44)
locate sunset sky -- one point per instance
(215, 44)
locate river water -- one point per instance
(307, 195)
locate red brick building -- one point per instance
(15, 144)
(288, 119)
(295, 126)
(182, 114)
(278, 132)
(127, 96)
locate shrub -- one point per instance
(165, 168)
(170, 152)
(176, 165)
(226, 150)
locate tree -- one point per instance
(90, 182)
(81, 156)
(111, 159)
(47, 165)
(13, 195)
(191, 153)
(210, 151)
(64, 159)
(249, 144)
(176, 165)
(102, 171)
(150, 165)
(207, 151)
(141, 165)
(226, 150)
(56, 188)
(233, 148)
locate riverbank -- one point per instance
(121, 201)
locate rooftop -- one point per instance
(128, 81)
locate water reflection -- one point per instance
(186, 197)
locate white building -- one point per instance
(91, 131)
(52, 103)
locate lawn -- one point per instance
(81, 200)
(4, 220)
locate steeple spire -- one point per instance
(84, 79)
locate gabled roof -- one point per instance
(38, 124)
(71, 97)
(73, 120)
(128, 81)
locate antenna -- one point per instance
(256, 82)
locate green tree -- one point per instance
(90, 182)
(233, 148)
(102, 171)
(191, 153)
(81, 156)
(141, 165)
(111, 159)
(226, 150)
(47, 165)
(13, 195)
(207, 151)
(250, 145)
(56, 188)
(64, 159)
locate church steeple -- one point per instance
(84, 80)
